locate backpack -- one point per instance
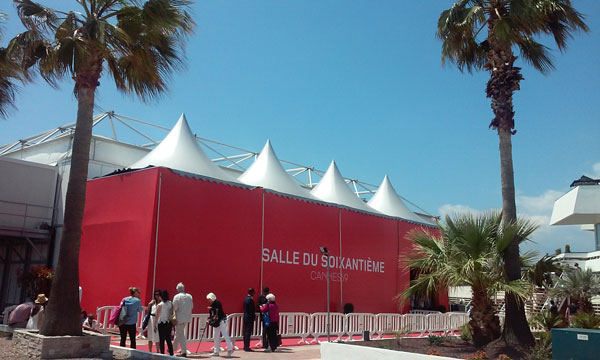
(266, 317)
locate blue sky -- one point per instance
(361, 82)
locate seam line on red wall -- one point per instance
(156, 235)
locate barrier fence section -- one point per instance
(387, 324)
(356, 323)
(295, 325)
(302, 325)
(318, 325)
(455, 321)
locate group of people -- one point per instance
(164, 315)
(269, 318)
(29, 315)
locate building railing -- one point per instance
(304, 325)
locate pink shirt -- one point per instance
(273, 309)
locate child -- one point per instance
(91, 324)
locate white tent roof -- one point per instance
(180, 151)
(388, 202)
(333, 188)
(267, 172)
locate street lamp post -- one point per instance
(326, 252)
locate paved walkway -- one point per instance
(305, 352)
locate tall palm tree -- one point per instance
(580, 286)
(139, 46)
(510, 24)
(468, 252)
(10, 74)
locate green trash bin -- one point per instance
(575, 344)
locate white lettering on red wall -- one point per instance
(310, 259)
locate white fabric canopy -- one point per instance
(333, 188)
(179, 150)
(387, 201)
(267, 172)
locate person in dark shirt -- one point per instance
(553, 308)
(249, 317)
(217, 308)
(262, 299)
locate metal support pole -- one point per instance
(328, 312)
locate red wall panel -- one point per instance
(372, 286)
(116, 237)
(293, 264)
(209, 239)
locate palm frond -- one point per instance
(36, 17)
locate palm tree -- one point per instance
(468, 252)
(510, 24)
(9, 74)
(540, 274)
(580, 286)
(140, 46)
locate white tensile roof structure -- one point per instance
(180, 151)
(388, 202)
(333, 188)
(266, 171)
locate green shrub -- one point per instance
(542, 350)
(585, 320)
(465, 332)
(435, 340)
(547, 321)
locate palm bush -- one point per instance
(585, 320)
(540, 274)
(548, 321)
(580, 286)
(468, 251)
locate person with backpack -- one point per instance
(270, 312)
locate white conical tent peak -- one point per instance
(388, 202)
(333, 188)
(267, 172)
(179, 150)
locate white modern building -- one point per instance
(580, 207)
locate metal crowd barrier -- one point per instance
(356, 323)
(304, 325)
(318, 325)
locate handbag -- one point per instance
(116, 314)
(266, 317)
(145, 321)
(172, 316)
(213, 320)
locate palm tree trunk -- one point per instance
(485, 325)
(504, 80)
(516, 328)
(63, 314)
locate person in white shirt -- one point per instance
(90, 324)
(182, 305)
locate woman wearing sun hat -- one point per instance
(37, 313)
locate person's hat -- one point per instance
(41, 299)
